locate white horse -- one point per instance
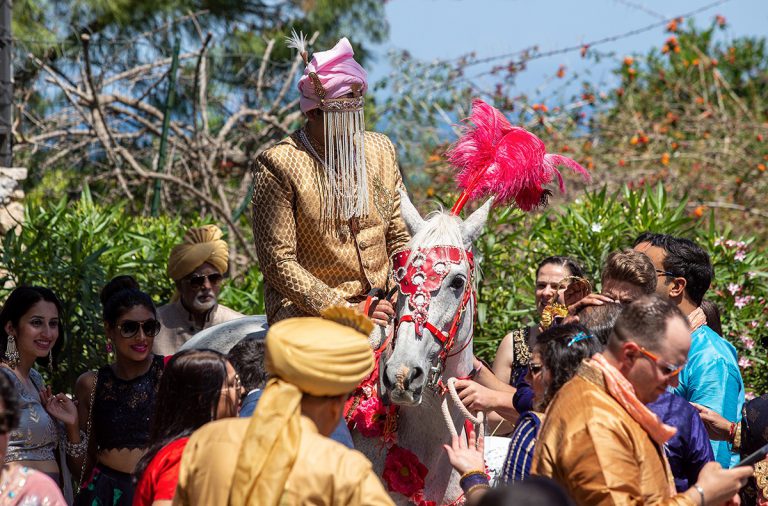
(415, 363)
(415, 366)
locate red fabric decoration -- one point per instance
(509, 163)
(403, 473)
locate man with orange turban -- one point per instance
(326, 210)
(197, 266)
(283, 454)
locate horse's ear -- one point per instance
(410, 215)
(473, 226)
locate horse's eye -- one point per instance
(457, 283)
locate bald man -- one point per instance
(197, 266)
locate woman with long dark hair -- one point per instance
(116, 402)
(21, 485)
(198, 386)
(48, 437)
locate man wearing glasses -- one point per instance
(197, 266)
(712, 377)
(599, 439)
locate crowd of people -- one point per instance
(626, 395)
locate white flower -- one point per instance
(596, 227)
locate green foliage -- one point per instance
(75, 247)
(589, 229)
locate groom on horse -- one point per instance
(326, 210)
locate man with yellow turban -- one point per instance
(326, 206)
(197, 266)
(283, 453)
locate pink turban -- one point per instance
(337, 70)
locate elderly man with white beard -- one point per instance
(197, 266)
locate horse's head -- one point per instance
(435, 300)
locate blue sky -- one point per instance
(431, 29)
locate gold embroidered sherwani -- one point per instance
(308, 265)
(597, 452)
(325, 472)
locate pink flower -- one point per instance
(740, 302)
(754, 324)
(403, 473)
(745, 363)
(734, 288)
(740, 255)
(369, 417)
(749, 395)
(748, 343)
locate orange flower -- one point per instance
(665, 159)
(695, 62)
(644, 139)
(634, 140)
(628, 61)
(714, 62)
(584, 49)
(631, 71)
(430, 192)
(761, 167)
(433, 158)
(672, 26)
(699, 100)
(760, 137)
(699, 211)
(561, 71)
(622, 162)
(675, 145)
(665, 49)
(677, 49)
(565, 148)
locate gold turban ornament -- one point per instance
(201, 245)
(311, 355)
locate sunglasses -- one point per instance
(129, 328)
(198, 280)
(667, 368)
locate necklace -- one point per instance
(309, 147)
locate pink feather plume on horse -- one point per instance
(509, 163)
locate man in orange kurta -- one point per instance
(599, 439)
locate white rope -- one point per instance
(454, 396)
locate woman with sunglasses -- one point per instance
(48, 436)
(556, 355)
(198, 386)
(20, 485)
(116, 402)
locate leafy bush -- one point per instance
(75, 247)
(596, 224)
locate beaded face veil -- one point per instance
(335, 83)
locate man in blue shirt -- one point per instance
(711, 377)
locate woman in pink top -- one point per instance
(198, 386)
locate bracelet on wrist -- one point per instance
(701, 493)
(77, 450)
(474, 488)
(472, 479)
(736, 441)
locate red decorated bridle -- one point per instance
(416, 281)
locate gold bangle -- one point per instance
(475, 488)
(736, 444)
(472, 473)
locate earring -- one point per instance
(50, 360)
(11, 356)
(109, 347)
